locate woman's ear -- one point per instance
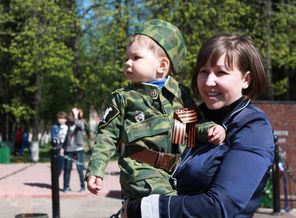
(164, 67)
(247, 80)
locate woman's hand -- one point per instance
(75, 112)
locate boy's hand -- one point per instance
(216, 134)
(94, 184)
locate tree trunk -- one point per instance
(37, 97)
(73, 43)
(268, 11)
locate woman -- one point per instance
(74, 149)
(228, 179)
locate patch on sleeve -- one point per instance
(109, 114)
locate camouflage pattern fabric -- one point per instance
(168, 37)
(139, 115)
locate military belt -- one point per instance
(164, 161)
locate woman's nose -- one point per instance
(210, 79)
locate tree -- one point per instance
(59, 53)
(39, 54)
(103, 51)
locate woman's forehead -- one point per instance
(226, 59)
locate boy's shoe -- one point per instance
(82, 190)
(67, 190)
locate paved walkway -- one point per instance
(26, 188)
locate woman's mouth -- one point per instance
(212, 93)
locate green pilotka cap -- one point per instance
(168, 37)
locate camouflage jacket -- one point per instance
(139, 115)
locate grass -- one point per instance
(44, 155)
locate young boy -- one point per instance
(140, 118)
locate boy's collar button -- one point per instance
(153, 93)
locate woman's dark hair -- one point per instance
(239, 51)
(70, 117)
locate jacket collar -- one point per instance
(242, 105)
(153, 90)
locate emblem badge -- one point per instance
(139, 116)
(154, 93)
(109, 114)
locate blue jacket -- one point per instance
(225, 180)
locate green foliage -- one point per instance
(266, 197)
(38, 46)
(280, 87)
(19, 111)
(103, 53)
(57, 54)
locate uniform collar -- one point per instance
(160, 83)
(153, 90)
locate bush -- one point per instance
(266, 197)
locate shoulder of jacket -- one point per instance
(117, 90)
(251, 112)
(56, 125)
(121, 91)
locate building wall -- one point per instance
(283, 118)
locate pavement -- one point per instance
(25, 188)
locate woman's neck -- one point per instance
(218, 115)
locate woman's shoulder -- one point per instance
(251, 117)
(246, 114)
(254, 111)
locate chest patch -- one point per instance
(109, 114)
(139, 116)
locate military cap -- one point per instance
(168, 37)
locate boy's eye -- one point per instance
(137, 57)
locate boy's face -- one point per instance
(62, 120)
(142, 64)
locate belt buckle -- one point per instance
(167, 162)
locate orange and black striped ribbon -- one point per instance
(185, 120)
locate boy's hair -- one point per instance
(62, 115)
(147, 42)
(168, 37)
(239, 51)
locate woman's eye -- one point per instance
(221, 73)
(203, 72)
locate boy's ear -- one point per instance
(164, 66)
